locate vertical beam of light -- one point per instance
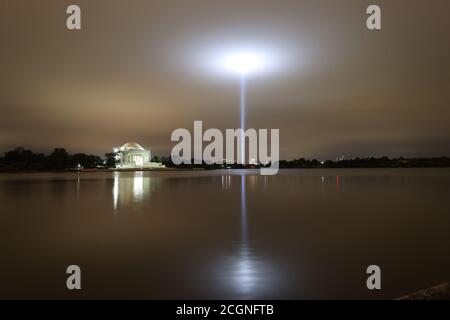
(243, 107)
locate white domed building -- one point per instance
(132, 156)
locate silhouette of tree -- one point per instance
(111, 159)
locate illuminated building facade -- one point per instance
(132, 156)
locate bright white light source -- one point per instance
(244, 63)
(248, 60)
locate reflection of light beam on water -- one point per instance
(243, 211)
(244, 274)
(78, 185)
(249, 273)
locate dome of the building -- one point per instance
(131, 145)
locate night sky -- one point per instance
(140, 69)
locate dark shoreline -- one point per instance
(95, 170)
(198, 169)
(439, 292)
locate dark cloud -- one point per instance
(135, 72)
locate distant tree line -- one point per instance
(60, 159)
(382, 162)
(371, 162)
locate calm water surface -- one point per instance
(224, 234)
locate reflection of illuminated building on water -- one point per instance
(129, 188)
(138, 186)
(132, 156)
